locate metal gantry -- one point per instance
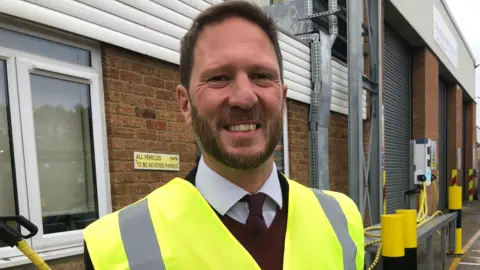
(364, 176)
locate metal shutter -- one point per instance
(443, 175)
(397, 118)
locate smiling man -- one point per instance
(235, 210)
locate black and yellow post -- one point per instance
(410, 237)
(393, 247)
(455, 205)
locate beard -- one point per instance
(209, 140)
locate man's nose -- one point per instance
(243, 93)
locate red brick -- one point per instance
(167, 74)
(145, 113)
(120, 132)
(131, 76)
(126, 110)
(143, 69)
(170, 116)
(111, 108)
(115, 143)
(132, 99)
(154, 82)
(171, 86)
(166, 95)
(155, 103)
(156, 124)
(146, 135)
(142, 90)
(112, 85)
(123, 177)
(113, 96)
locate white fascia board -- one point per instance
(62, 21)
(110, 21)
(298, 97)
(160, 11)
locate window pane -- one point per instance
(8, 198)
(63, 136)
(20, 41)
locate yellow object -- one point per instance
(454, 177)
(458, 242)
(410, 227)
(377, 258)
(470, 184)
(384, 176)
(392, 235)
(32, 256)
(154, 161)
(191, 235)
(455, 198)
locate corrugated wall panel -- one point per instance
(296, 66)
(340, 89)
(397, 101)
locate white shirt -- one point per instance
(224, 196)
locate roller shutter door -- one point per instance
(397, 103)
(443, 176)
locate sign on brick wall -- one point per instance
(154, 161)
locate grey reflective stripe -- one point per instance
(139, 238)
(338, 220)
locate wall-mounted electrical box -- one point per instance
(422, 161)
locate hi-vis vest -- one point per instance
(175, 228)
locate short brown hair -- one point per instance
(216, 14)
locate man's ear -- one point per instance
(184, 103)
(284, 90)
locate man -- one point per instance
(234, 210)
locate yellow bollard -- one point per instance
(393, 244)
(410, 237)
(455, 205)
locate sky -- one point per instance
(468, 19)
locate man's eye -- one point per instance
(219, 78)
(261, 76)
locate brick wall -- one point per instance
(425, 84)
(454, 131)
(338, 150)
(142, 115)
(297, 116)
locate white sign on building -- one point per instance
(444, 37)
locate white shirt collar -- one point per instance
(222, 194)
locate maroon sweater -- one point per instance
(267, 248)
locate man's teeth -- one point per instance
(242, 128)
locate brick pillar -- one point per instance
(469, 146)
(454, 131)
(425, 80)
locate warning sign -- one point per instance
(152, 161)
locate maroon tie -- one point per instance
(255, 220)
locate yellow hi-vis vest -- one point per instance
(175, 228)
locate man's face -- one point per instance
(236, 95)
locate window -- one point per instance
(52, 147)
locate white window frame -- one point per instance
(20, 65)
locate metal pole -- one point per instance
(355, 129)
(374, 177)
